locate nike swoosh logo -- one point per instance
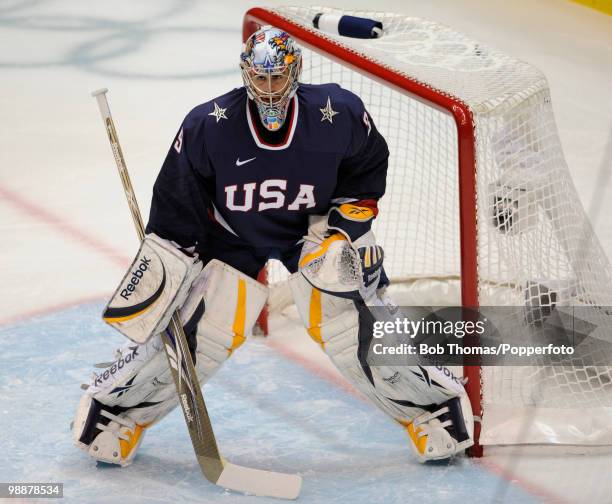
(240, 163)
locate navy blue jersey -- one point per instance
(222, 178)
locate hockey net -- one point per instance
(480, 209)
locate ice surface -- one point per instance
(268, 412)
(66, 238)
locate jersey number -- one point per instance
(271, 195)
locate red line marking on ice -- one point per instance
(47, 310)
(64, 227)
(528, 486)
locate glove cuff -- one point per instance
(352, 220)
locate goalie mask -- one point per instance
(271, 63)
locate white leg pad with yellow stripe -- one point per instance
(137, 388)
(232, 301)
(333, 322)
(125, 397)
(428, 400)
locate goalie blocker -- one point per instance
(155, 285)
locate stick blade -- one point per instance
(260, 483)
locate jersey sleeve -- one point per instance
(181, 202)
(361, 177)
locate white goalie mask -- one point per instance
(271, 63)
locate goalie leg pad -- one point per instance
(131, 393)
(334, 323)
(137, 389)
(233, 302)
(344, 329)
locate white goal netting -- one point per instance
(535, 246)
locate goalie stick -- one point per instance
(216, 469)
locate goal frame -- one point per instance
(463, 119)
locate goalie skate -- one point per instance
(108, 437)
(443, 433)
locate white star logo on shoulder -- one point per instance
(328, 112)
(219, 112)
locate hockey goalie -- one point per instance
(273, 169)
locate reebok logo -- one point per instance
(186, 408)
(393, 379)
(240, 163)
(449, 374)
(137, 274)
(372, 278)
(124, 389)
(117, 365)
